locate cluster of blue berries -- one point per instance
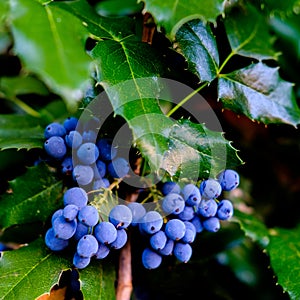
(189, 210)
(78, 225)
(170, 229)
(90, 161)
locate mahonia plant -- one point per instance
(115, 172)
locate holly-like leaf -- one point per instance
(31, 197)
(20, 132)
(197, 151)
(252, 226)
(128, 71)
(41, 42)
(248, 33)
(197, 44)
(258, 92)
(284, 251)
(171, 14)
(29, 271)
(98, 281)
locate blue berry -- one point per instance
(191, 194)
(83, 174)
(70, 123)
(210, 189)
(158, 240)
(182, 252)
(120, 216)
(170, 187)
(138, 211)
(105, 232)
(102, 251)
(67, 165)
(77, 196)
(225, 210)
(196, 221)
(64, 229)
(73, 139)
(151, 222)
(88, 153)
(187, 213)
(121, 239)
(88, 215)
(175, 229)
(101, 169)
(207, 208)
(190, 233)
(54, 243)
(151, 259)
(89, 136)
(211, 224)
(229, 179)
(57, 214)
(168, 248)
(87, 246)
(118, 167)
(70, 212)
(106, 150)
(54, 129)
(101, 183)
(173, 204)
(55, 147)
(81, 230)
(80, 262)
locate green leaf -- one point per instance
(98, 281)
(99, 27)
(272, 7)
(22, 85)
(58, 58)
(128, 71)
(253, 227)
(258, 92)
(284, 251)
(172, 14)
(30, 271)
(248, 33)
(31, 197)
(20, 132)
(196, 151)
(197, 44)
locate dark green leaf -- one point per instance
(248, 33)
(253, 227)
(31, 197)
(128, 71)
(258, 92)
(98, 281)
(20, 132)
(172, 14)
(197, 44)
(284, 251)
(21, 85)
(58, 58)
(99, 27)
(196, 151)
(30, 271)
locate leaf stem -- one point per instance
(187, 98)
(226, 61)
